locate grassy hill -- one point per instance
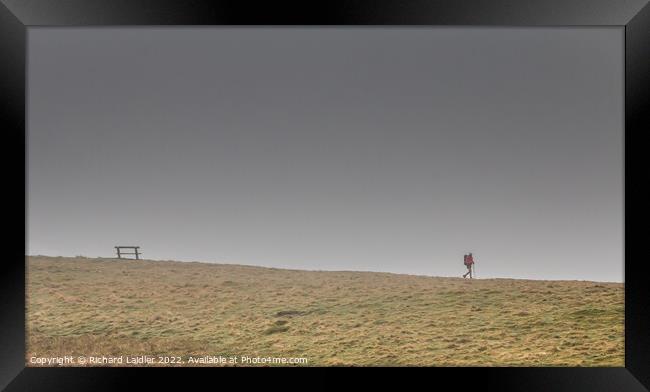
(81, 306)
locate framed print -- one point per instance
(424, 184)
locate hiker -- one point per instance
(468, 260)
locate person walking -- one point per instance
(468, 260)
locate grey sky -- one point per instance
(383, 149)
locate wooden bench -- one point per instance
(134, 248)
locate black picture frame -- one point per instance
(17, 16)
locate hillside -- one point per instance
(94, 307)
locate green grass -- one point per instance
(80, 306)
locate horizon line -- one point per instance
(322, 270)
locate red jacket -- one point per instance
(469, 260)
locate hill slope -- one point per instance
(80, 306)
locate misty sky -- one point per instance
(382, 149)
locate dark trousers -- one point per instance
(469, 271)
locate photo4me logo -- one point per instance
(245, 360)
(143, 360)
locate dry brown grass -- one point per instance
(80, 306)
